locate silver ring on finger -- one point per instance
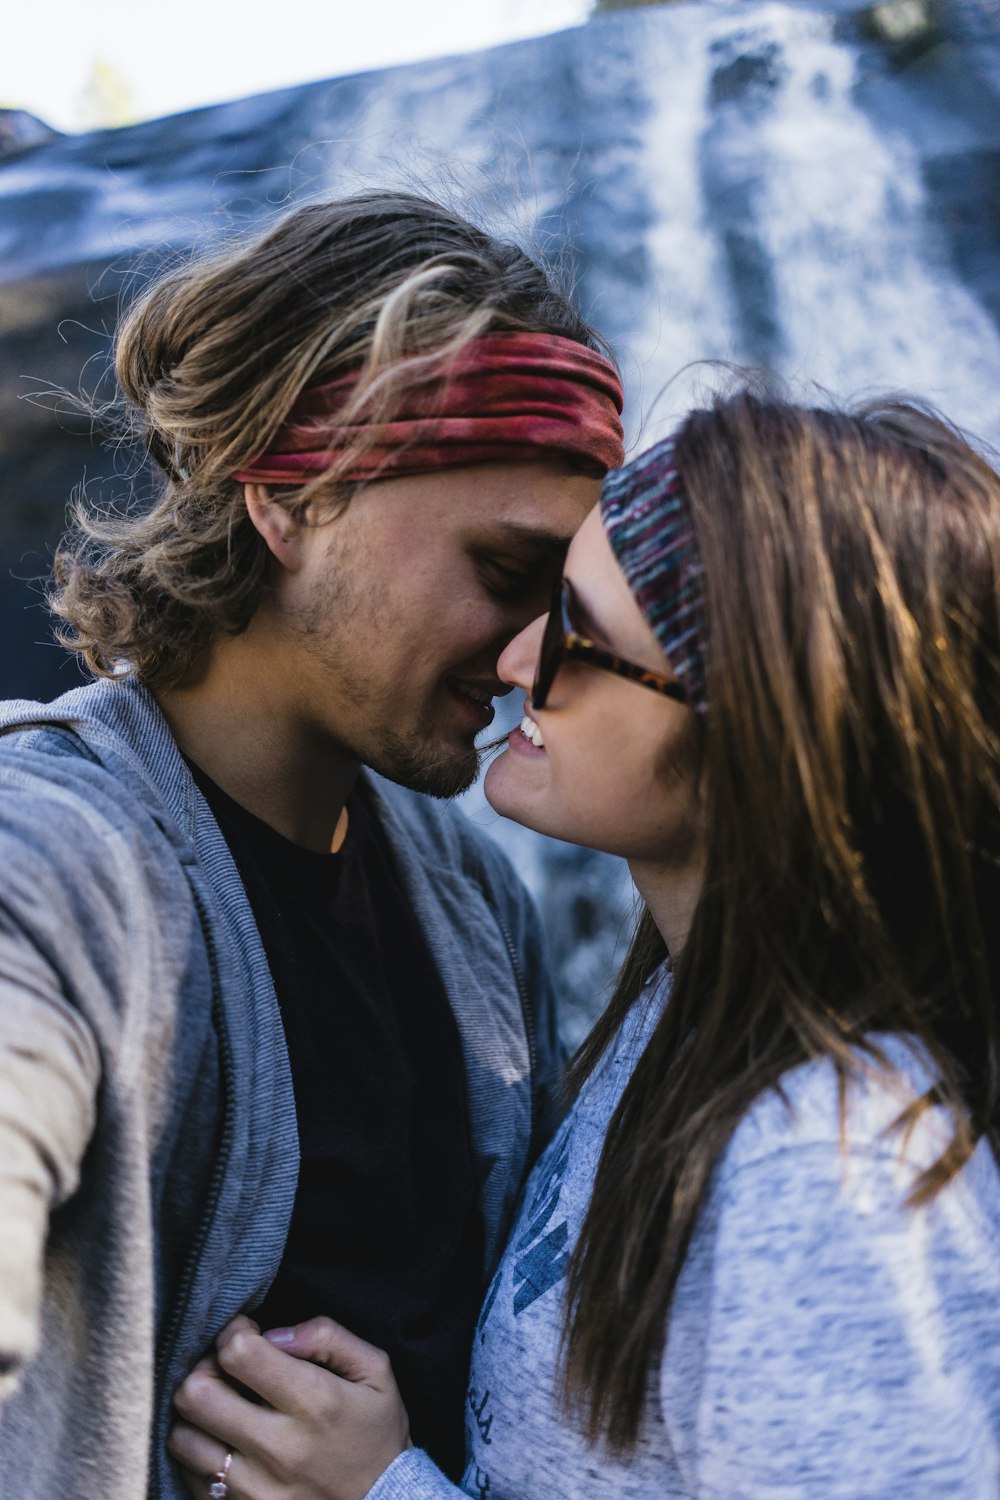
(219, 1488)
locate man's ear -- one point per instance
(281, 531)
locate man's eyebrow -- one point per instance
(526, 535)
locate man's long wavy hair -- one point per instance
(849, 764)
(211, 358)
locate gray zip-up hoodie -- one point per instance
(148, 1144)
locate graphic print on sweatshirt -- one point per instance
(540, 1256)
(536, 1261)
(514, 1376)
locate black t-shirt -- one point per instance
(385, 1236)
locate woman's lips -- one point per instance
(518, 742)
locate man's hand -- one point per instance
(332, 1419)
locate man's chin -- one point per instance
(434, 775)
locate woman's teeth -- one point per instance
(531, 732)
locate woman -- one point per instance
(761, 1256)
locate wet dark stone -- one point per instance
(964, 189)
(746, 77)
(742, 90)
(751, 277)
(905, 32)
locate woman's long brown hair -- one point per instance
(850, 761)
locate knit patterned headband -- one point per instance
(648, 522)
(505, 396)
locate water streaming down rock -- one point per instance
(814, 187)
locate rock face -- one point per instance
(815, 187)
(19, 131)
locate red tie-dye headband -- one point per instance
(505, 396)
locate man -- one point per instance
(276, 1034)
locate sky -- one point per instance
(156, 59)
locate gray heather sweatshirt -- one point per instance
(148, 1142)
(826, 1342)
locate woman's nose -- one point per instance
(519, 658)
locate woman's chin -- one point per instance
(502, 792)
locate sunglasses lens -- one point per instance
(550, 653)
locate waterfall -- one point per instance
(808, 186)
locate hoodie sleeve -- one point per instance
(49, 1076)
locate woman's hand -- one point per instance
(332, 1419)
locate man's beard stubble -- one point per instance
(405, 759)
(404, 762)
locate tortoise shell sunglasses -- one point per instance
(564, 641)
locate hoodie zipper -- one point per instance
(181, 1300)
(528, 1016)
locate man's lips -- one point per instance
(475, 700)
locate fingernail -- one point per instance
(280, 1335)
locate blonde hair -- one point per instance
(211, 358)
